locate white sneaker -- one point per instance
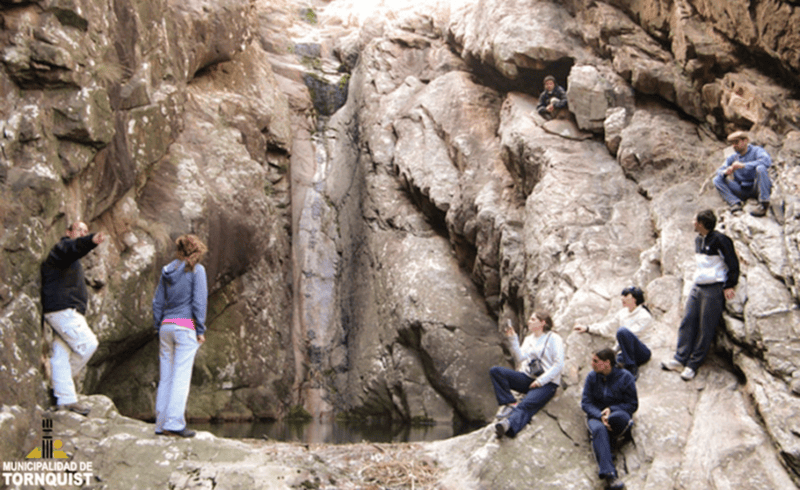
(504, 411)
(687, 374)
(671, 365)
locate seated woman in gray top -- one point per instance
(539, 385)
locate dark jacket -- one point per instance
(558, 93)
(715, 260)
(63, 282)
(616, 391)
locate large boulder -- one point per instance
(513, 36)
(593, 92)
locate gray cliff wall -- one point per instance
(435, 204)
(442, 129)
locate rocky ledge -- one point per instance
(673, 426)
(122, 452)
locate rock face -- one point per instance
(539, 221)
(432, 206)
(148, 121)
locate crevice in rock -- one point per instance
(411, 338)
(561, 428)
(790, 461)
(639, 189)
(529, 80)
(70, 18)
(327, 97)
(434, 216)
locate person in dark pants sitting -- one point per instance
(744, 175)
(543, 345)
(630, 326)
(552, 100)
(609, 400)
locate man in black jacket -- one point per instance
(715, 277)
(64, 298)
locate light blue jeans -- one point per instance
(178, 346)
(73, 346)
(733, 192)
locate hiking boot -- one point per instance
(671, 365)
(501, 428)
(736, 208)
(760, 210)
(504, 411)
(688, 374)
(615, 483)
(186, 432)
(77, 408)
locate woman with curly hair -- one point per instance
(179, 315)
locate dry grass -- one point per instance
(364, 466)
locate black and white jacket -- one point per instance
(716, 260)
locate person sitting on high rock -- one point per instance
(744, 175)
(552, 99)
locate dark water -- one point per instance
(331, 432)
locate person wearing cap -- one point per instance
(64, 299)
(552, 99)
(629, 326)
(744, 175)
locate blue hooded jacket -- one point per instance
(181, 294)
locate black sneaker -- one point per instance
(501, 428)
(186, 433)
(736, 208)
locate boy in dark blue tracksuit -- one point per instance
(715, 278)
